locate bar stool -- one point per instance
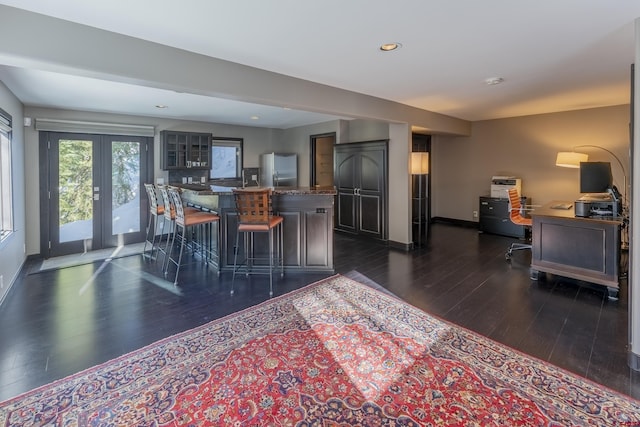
(186, 218)
(169, 217)
(155, 210)
(255, 215)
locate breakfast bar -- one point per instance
(307, 226)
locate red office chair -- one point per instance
(516, 217)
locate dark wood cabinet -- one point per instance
(307, 230)
(494, 217)
(361, 182)
(185, 150)
(198, 153)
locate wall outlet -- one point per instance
(475, 214)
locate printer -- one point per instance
(599, 204)
(500, 185)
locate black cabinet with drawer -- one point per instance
(494, 217)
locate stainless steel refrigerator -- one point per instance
(278, 170)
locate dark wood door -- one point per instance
(361, 182)
(346, 187)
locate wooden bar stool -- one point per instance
(189, 218)
(255, 215)
(155, 211)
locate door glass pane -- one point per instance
(125, 187)
(75, 200)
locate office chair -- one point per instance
(516, 217)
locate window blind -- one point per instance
(5, 121)
(56, 125)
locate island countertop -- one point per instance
(208, 189)
(307, 226)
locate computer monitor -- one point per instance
(595, 177)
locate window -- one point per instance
(6, 201)
(226, 158)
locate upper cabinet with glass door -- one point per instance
(185, 150)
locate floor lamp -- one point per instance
(572, 159)
(419, 169)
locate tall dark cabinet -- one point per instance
(360, 177)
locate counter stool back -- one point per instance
(253, 207)
(186, 218)
(169, 217)
(155, 210)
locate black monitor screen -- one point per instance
(595, 177)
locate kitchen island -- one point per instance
(307, 226)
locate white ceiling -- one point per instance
(553, 55)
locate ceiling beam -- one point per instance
(50, 44)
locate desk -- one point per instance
(586, 249)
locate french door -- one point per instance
(94, 191)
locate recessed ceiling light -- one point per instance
(161, 106)
(387, 47)
(492, 81)
(255, 118)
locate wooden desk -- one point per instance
(586, 249)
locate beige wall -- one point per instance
(462, 167)
(12, 249)
(525, 147)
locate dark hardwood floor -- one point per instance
(57, 323)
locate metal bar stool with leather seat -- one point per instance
(169, 217)
(516, 217)
(156, 210)
(186, 220)
(255, 215)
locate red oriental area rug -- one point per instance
(335, 353)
